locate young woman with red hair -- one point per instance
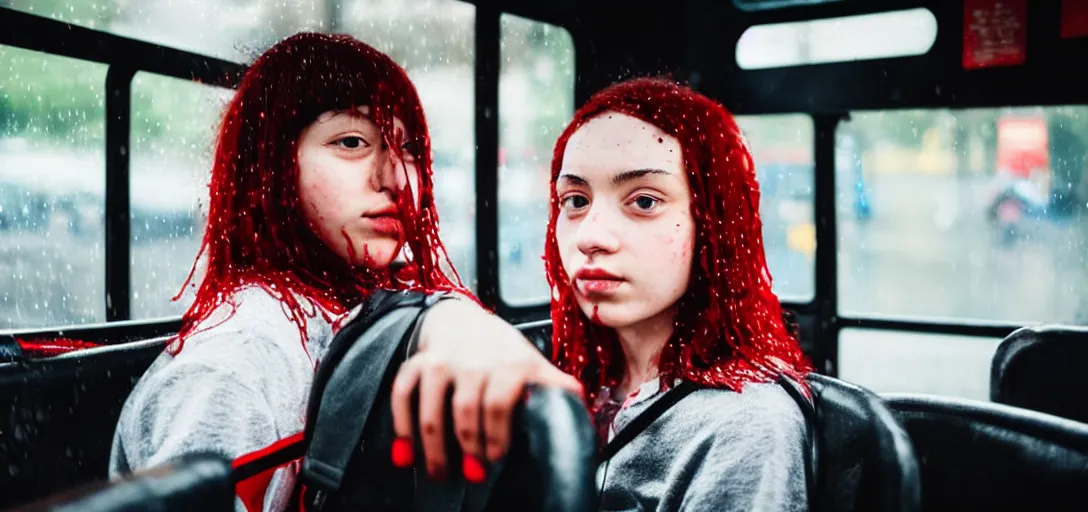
(659, 281)
(321, 192)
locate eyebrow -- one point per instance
(328, 117)
(617, 179)
(636, 174)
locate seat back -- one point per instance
(865, 460)
(200, 482)
(976, 455)
(1033, 366)
(58, 416)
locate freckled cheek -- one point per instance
(316, 192)
(669, 250)
(659, 249)
(323, 194)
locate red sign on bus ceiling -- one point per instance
(1074, 18)
(994, 33)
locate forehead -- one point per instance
(614, 142)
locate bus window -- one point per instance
(967, 214)
(907, 362)
(235, 31)
(782, 147)
(173, 128)
(52, 186)
(434, 41)
(536, 100)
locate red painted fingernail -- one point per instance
(402, 452)
(473, 470)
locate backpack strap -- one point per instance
(347, 399)
(340, 401)
(812, 448)
(374, 308)
(344, 394)
(645, 418)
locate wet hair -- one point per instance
(256, 232)
(730, 328)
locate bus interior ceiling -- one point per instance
(695, 41)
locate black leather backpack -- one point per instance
(345, 450)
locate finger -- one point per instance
(467, 397)
(401, 404)
(404, 385)
(433, 384)
(563, 380)
(501, 395)
(466, 403)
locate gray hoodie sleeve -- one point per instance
(190, 407)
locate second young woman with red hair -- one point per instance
(659, 282)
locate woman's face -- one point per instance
(349, 182)
(624, 230)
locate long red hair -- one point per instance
(256, 233)
(730, 328)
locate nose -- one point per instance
(596, 233)
(390, 174)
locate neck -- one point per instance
(642, 343)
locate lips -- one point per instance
(384, 220)
(596, 281)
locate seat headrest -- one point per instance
(978, 455)
(196, 482)
(1034, 364)
(866, 459)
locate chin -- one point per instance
(608, 314)
(375, 254)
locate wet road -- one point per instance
(930, 252)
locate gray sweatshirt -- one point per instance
(234, 389)
(242, 385)
(714, 450)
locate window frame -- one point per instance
(124, 57)
(529, 309)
